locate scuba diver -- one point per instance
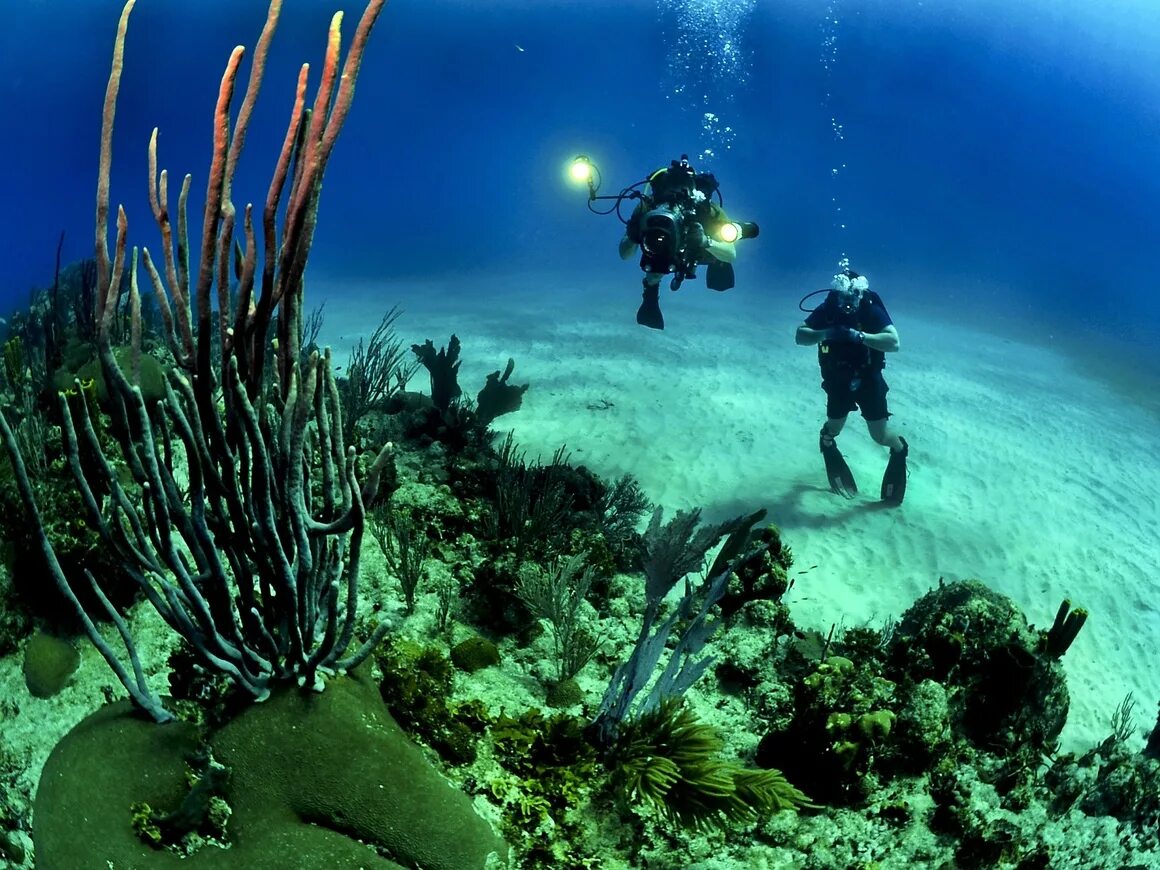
(854, 332)
(676, 225)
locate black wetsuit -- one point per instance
(851, 371)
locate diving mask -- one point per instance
(849, 291)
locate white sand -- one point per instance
(1024, 472)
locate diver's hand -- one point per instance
(697, 240)
(845, 335)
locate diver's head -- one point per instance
(850, 287)
(682, 169)
(706, 183)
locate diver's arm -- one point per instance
(726, 252)
(885, 341)
(631, 238)
(807, 336)
(627, 247)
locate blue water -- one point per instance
(992, 156)
(985, 162)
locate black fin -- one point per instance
(719, 276)
(649, 313)
(894, 480)
(841, 478)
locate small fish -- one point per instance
(518, 47)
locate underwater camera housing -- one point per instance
(664, 229)
(662, 240)
(668, 224)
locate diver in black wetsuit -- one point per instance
(854, 332)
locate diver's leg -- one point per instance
(883, 433)
(839, 404)
(833, 426)
(837, 471)
(877, 415)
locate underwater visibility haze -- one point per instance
(397, 452)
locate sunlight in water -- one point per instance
(707, 62)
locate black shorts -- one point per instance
(867, 394)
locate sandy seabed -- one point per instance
(1025, 472)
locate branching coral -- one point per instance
(375, 372)
(256, 566)
(556, 596)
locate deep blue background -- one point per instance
(996, 157)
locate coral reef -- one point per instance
(329, 710)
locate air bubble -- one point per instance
(706, 55)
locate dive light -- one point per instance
(735, 230)
(583, 171)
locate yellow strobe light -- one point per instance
(580, 169)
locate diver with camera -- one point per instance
(677, 226)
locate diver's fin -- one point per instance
(841, 478)
(894, 480)
(719, 276)
(649, 313)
